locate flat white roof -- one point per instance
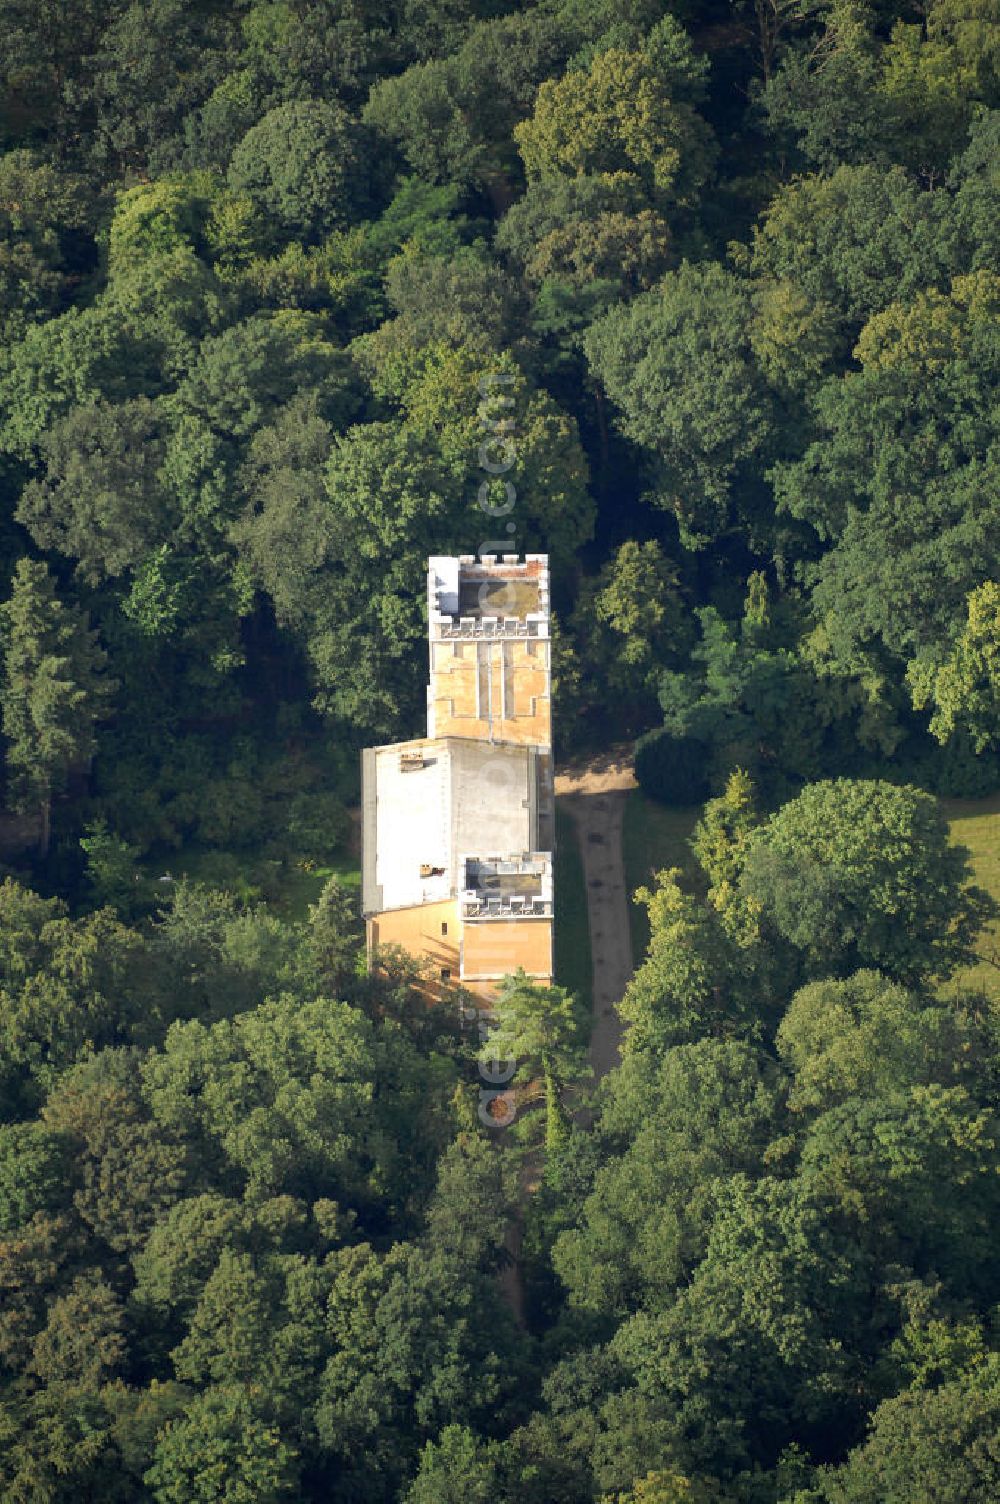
(427, 804)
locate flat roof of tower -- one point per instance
(499, 596)
(427, 803)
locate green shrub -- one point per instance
(672, 769)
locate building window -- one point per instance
(444, 927)
(446, 973)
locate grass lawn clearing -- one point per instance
(975, 823)
(655, 836)
(572, 931)
(289, 887)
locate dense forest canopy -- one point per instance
(734, 268)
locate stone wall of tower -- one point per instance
(491, 689)
(492, 949)
(490, 652)
(431, 931)
(489, 682)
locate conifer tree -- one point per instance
(52, 694)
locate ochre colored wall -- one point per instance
(418, 930)
(490, 949)
(455, 669)
(494, 947)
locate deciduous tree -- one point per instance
(856, 873)
(678, 364)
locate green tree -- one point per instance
(33, 1173)
(231, 1333)
(933, 77)
(856, 873)
(455, 1468)
(44, 246)
(183, 1248)
(83, 1339)
(48, 46)
(823, 98)
(618, 115)
(831, 250)
(910, 537)
(459, 299)
(360, 543)
(315, 50)
(677, 363)
(111, 869)
(33, 1262)
(212, 957)
(591, 227)
(974, 183)
(420, 1340)
(687, 983)
(139, 336)
(702, 1112)
(130, 1171)
(223, 1448)
(911, 1175)
(755, 1350)
(283, 535)
(334, 942)
(102, 500)
(284, 1098)
(628, 624)
(132, 107)
(538, 1029)
(439, 392)
(155, 219)
(965, 689)
(301, 165)
(57, 1444)
(866, 1036)
(667, 1488)
(54, 691)
(452, 117)
(66, 986)
(749, 694)
(925, 1445)
(720, 843)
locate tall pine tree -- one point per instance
(52, 694)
